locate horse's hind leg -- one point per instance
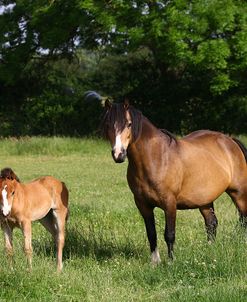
(54, 222)
(49, 223)
(170, 214)
(211, 221)
(240, 200)
(60, 216)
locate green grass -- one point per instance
(106, 257)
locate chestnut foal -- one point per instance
(44, 199)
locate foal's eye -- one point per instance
(129, 124)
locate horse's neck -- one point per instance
(19, 194)
(150, 141)
(148, 130)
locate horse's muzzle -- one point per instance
(3, 216)
(120, 158)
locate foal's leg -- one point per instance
(148, 216)
(27, 232)
(8, 238)
(211, 221)
(60, 218)
(49, 222)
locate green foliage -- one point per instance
(193, 52)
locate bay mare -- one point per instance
(174, 174)
(44, 199)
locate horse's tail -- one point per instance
(241, 146)
(65, 199)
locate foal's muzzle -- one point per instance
(120, 158)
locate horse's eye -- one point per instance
(129, 124)
(13, 193)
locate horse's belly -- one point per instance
(40, 210)
(39, 214)
(199, 196)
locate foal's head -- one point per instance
(121, 126)
(7, 190)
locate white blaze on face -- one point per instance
(6, 207)
(118, 145)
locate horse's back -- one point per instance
(48, 187)
(203, 135)
(222, 147)
(54, 185)
(212, 162)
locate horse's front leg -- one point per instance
(170, 216)
(148, 216)
(8, 238)
(27, 232)
(211, 221)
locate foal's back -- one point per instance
(44, 185)
(43, 194)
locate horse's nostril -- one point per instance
(119, 157)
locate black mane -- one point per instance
(171, 136)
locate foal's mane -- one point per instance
(117, 114)
(8, 173)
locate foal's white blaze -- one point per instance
(6, 207)
(155, 257)
(118, 146)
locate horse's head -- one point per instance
(121, 126)
(7, 190)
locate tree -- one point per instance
(196, 50)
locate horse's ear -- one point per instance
(126, 104)
(108, 104)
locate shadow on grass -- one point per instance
(98, 238)
(89, 245)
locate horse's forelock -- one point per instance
(116, 116)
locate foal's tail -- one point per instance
(241, 146)
(65, 199)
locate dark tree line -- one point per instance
(183, 63)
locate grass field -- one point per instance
(106, 256)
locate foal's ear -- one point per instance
(108, 104)
(126, 104)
